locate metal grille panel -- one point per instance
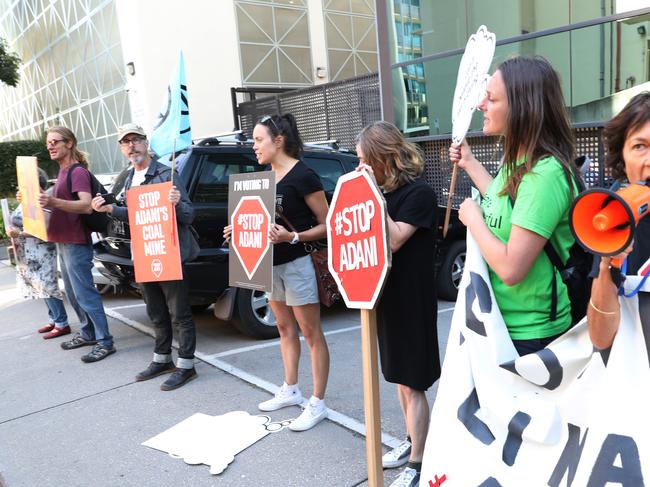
(489, 151)
(438, 167)
(333, 111)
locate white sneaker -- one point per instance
(314, 413)
(286, 396)
(398, 456)
(408, 478)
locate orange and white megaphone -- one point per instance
(604, 221)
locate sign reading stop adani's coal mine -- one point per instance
(154, 234)
(251, 206)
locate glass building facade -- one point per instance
(407, 47)
(72, 74)
(600, 48)
(351, 38)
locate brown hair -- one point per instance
(68, 136)
(634, 116)
(386, 150)
(537, 124)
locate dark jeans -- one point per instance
(168, 303)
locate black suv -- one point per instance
(204, 171)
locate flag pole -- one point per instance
(173, 159)
(173, 207)
(450, 197)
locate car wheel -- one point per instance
(451, 271)
(253, 315)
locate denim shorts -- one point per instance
(295, 282)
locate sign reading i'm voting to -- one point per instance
(33, 215)
(251, 206)
(154, 233)
(471, 81)
(567, 415)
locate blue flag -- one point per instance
(173, 121)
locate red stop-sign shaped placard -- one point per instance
(250, 232)
(357, 235)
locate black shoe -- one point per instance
(76, 342)
(154, 370)
(178, 378)
(98, 353)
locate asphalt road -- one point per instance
(65, 423)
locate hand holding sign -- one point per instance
(174, 195)
(30, 194)
(470, 88)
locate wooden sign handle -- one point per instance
(452, 188)
(371, 397)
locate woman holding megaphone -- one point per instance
(627, 138)
(527, 203)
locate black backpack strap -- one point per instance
(69, 179)
(557, 264)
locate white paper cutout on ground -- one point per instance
(471, 81)
(213, 440)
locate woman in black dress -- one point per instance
(407, 313)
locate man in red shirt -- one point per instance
(74, 243)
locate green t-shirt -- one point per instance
(541, 206)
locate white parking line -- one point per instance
(127, 306)
(128, 321)
(334, 416)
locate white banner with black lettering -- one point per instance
(568, 415)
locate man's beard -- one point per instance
(138, 159)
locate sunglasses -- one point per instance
(53, 142)
(133, 141)
(267, 118)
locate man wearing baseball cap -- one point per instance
(168, 302)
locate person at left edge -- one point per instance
(168, 302)
(74, 243)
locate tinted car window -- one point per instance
(329, 170)
(118, 183)
(212, 185)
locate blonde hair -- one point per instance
(68, 136)
(387, 151)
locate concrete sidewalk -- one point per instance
(66, 423)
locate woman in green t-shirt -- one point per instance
(527, 203)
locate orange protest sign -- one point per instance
(33, 215)
(154, 237)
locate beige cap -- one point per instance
(129, 128)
